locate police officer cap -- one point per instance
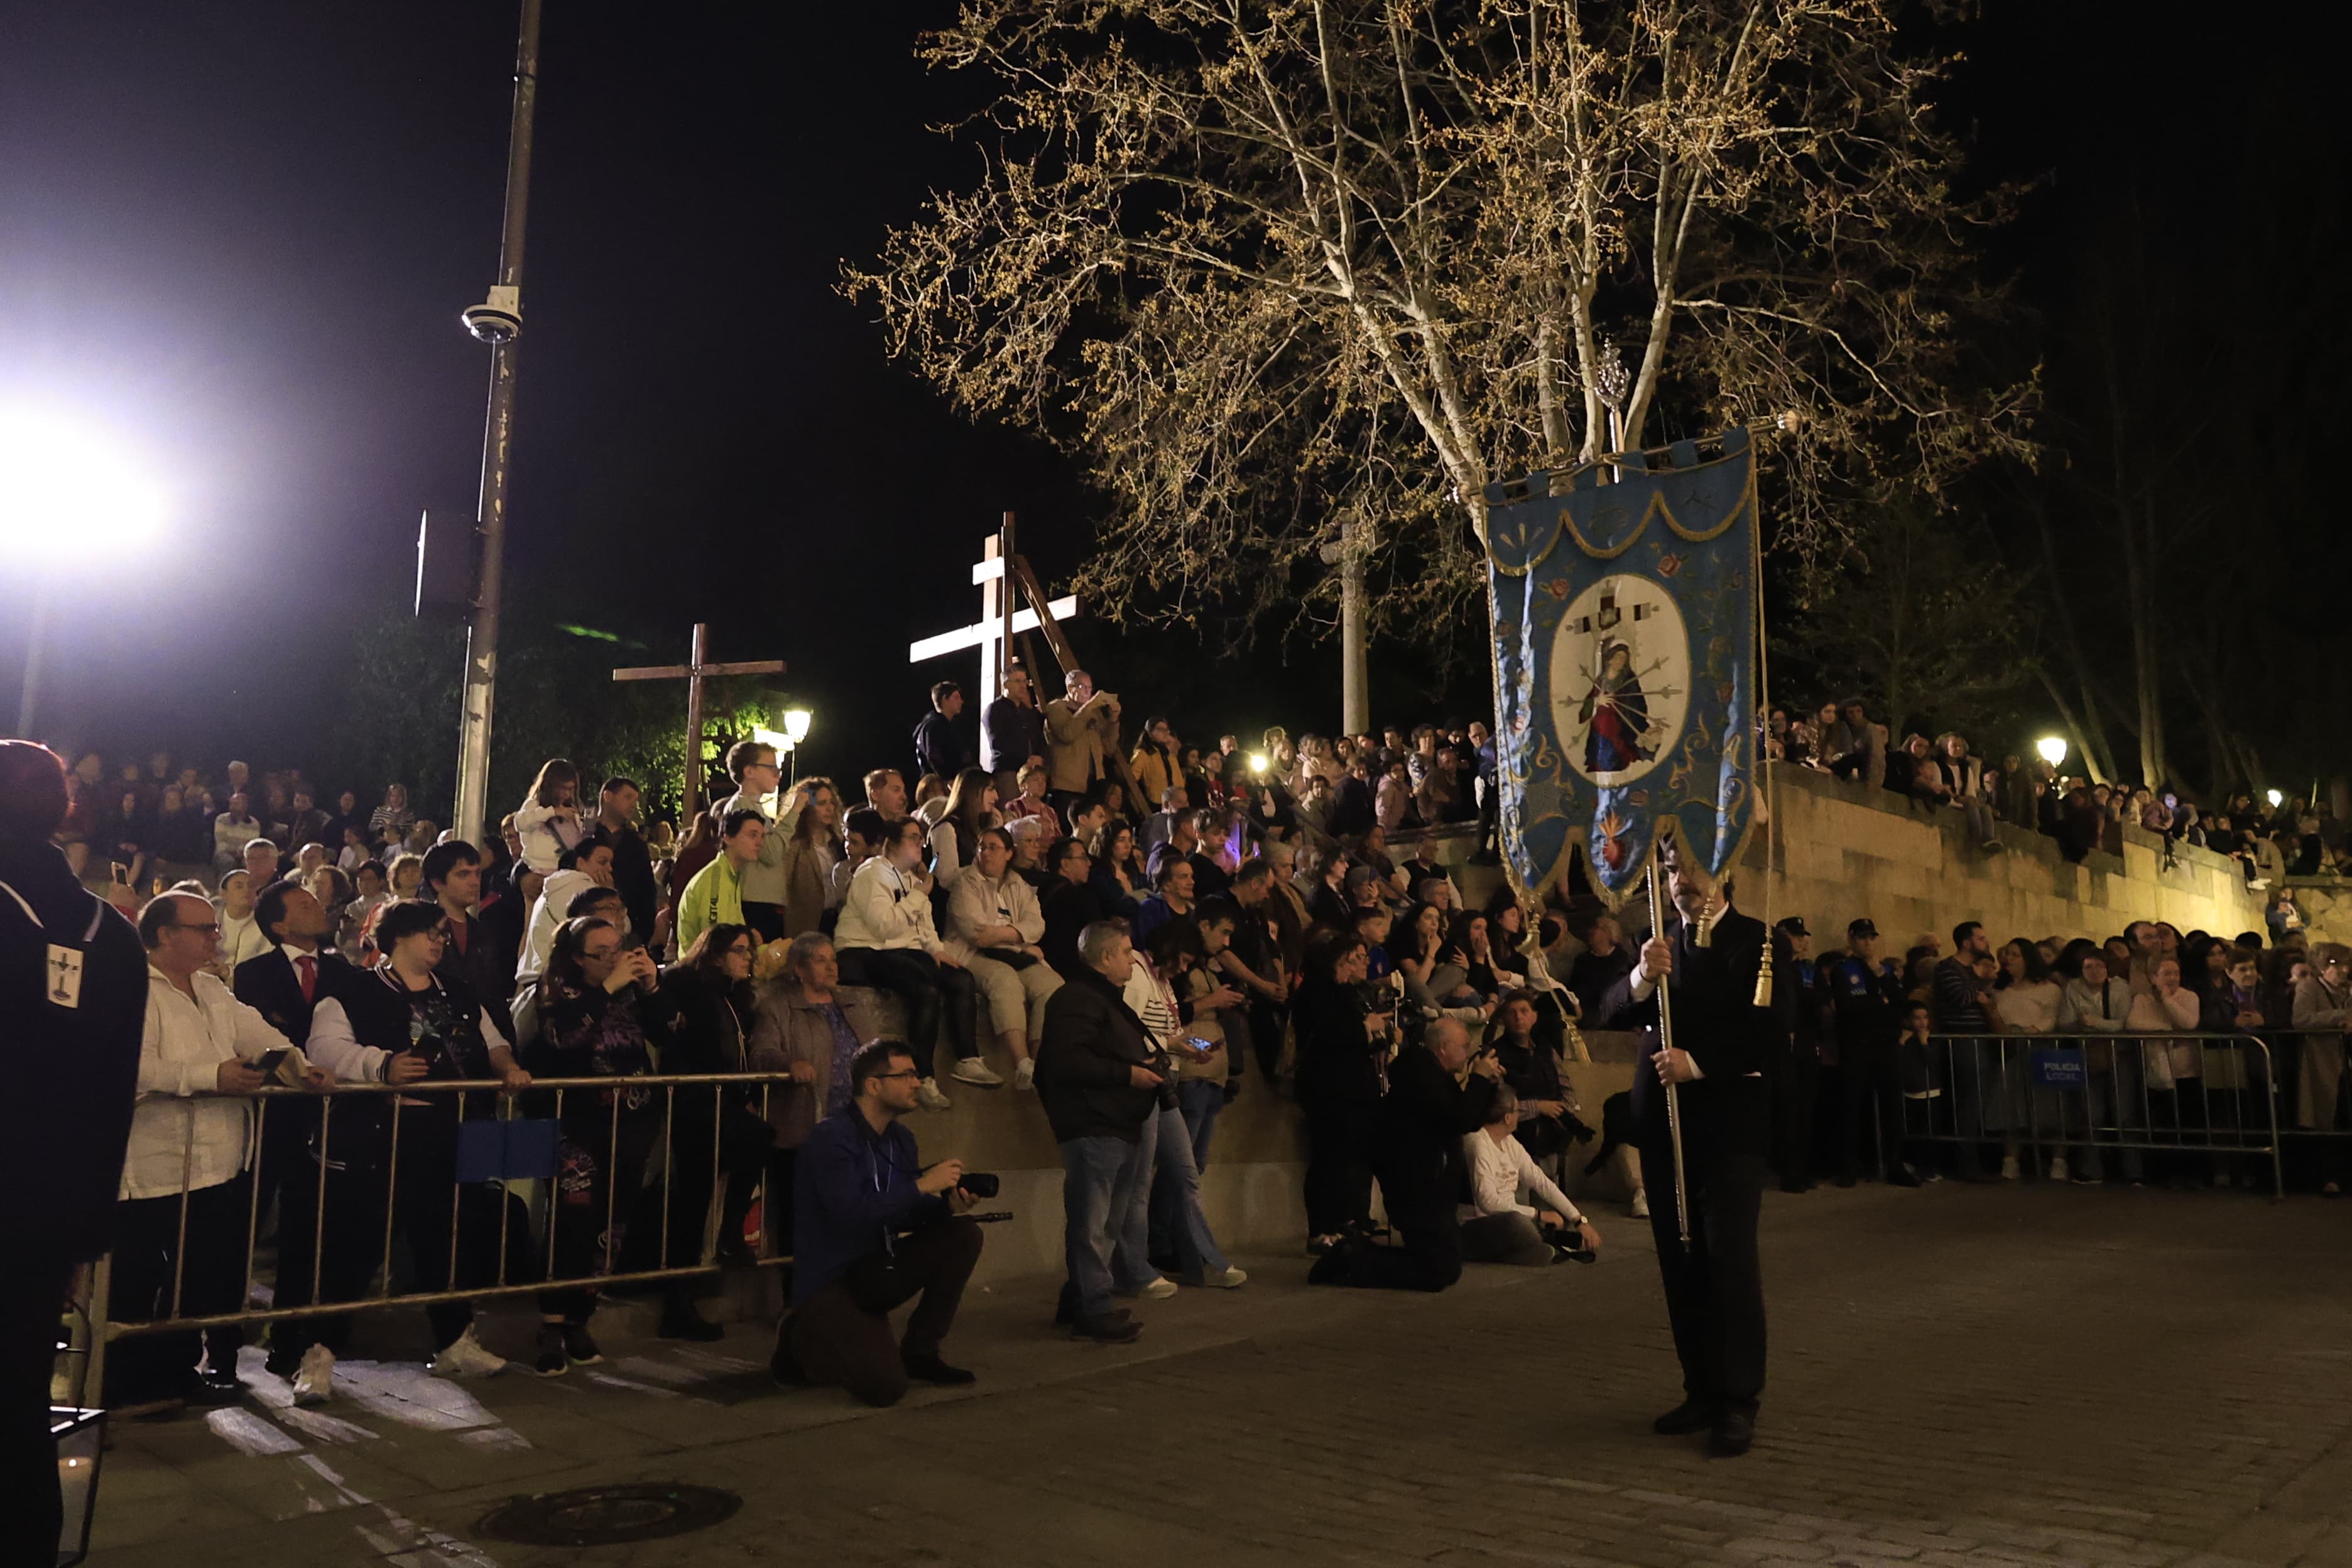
(1794, 925)
(1861, 928)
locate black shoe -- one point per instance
(679, 1321)
(1065, 1308)
(1793, 1186)
(1732, 1434)
(784, 1366)
(550, 1360)
(1111, 1328)
(1903, 1177)
(931, 1369)
(1845, 1181)
(1690, 1416)
(578, 1348)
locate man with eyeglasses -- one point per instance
(873, 1228)
(181, 1227)
(757, 781)
(69, 987)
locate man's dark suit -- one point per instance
(268, 984)
(1715, 1289)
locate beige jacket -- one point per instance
(975, 903)
(1077, 743)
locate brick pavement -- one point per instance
(2013, 1375)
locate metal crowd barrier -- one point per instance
(104, 1330)
(2092, 1094)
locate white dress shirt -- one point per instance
(1500, 1170)
(180, 1054)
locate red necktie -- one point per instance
(308, 968)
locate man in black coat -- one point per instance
(285, 984)
(1099, 1075)
(73, 989)
(1722, 1048)
(1429, 1107)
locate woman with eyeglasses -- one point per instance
(711, 988)
(596, 1006)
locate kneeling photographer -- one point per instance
(1497, 1226)
(1437, 1092)
(872, 1230)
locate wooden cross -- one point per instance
(999, 621)
(694, 672)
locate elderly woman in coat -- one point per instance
(806, 1027)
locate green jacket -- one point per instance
(713, 895)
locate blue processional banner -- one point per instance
(1625, 661)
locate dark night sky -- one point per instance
(241, 234)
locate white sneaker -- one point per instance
(1159, 1290)
(2057, 1167)
(1025, 1075)
(973, 1070)
(314, 1380)
(2008, 1171)
(466, 1356)
(1640, 1207)
(1231, 1279)
(927, 1095)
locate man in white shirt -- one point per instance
(232, 830)
(1498, 1227)
(199, 1040)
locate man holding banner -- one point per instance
(1624, 595)
(1708, 960)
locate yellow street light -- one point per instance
(2052, 749)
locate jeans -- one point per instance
(1102, 1177)
(1201, 1099)
(1171, 1212)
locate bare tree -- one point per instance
(1272, 267)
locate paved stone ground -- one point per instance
(2010, 1376)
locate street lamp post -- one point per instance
(497, 321)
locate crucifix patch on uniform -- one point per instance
(64, 974)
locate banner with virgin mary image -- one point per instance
(1624, 605)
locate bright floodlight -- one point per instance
(65, 489)
(796, 724)
(2275, 799)
(781, 742)
(1258, 762)
(2051, 748)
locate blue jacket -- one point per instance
(853, 1195)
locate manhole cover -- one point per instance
(608, 1516)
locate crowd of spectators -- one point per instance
(1133, 932)
(2288, 837)
(2042, 1056)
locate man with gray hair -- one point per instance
(1099, 1076)
(1437, 1095)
